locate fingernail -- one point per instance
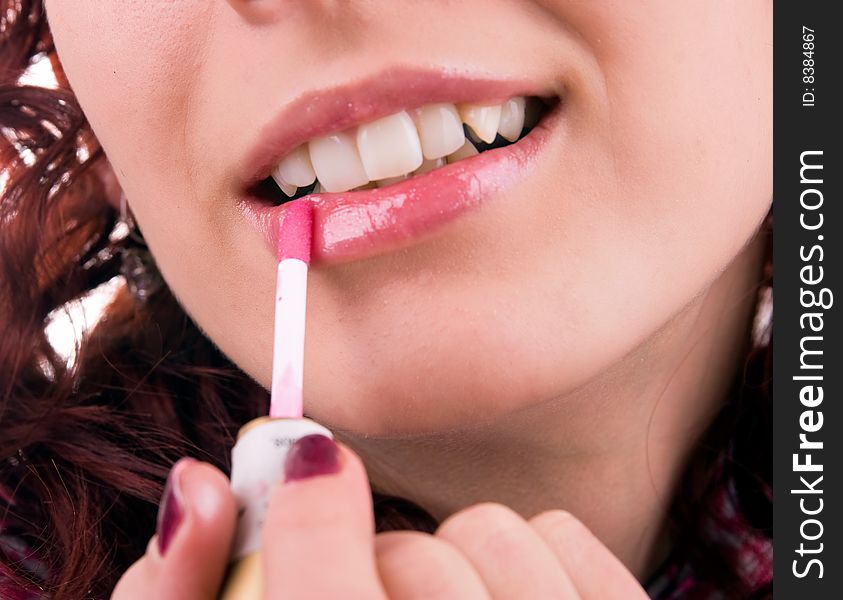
(172, 507)
(311, 456)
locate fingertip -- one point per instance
(199, 525)
(312, 456)
(352, 463)
(317, 472)
(595, 571)
(207, 493)
(321, 514)
(197, 507)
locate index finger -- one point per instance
(596, 572)
(319, 532)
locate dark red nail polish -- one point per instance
(171, 509)
(311, 456)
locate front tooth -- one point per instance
(296, 169)
(440, 130)
(337, 163)
(483, 119)
(469, 133)
(289, 190)
(466, 151)
(512, 118)
(429, 165)
(391, 180)
(390, 146)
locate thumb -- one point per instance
(196, 524)
(319, 531)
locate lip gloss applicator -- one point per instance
(257, 459)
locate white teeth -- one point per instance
(429, 165)
(391, 180)
(512, 118)
(296, 168)
(337, 162)
(289, 190)
(469, 133)
(483, 119)
(440, 130)
(466, 151)
(389, 147)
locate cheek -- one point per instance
(131, 65)
(690, 119)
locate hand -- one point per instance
(319, 543)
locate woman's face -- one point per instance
(501, 283)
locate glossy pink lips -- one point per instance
(354, 225)
(358, 224)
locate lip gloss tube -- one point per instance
(257, 463)
(257, 459)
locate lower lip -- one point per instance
(355, 225)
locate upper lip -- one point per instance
(326, 110)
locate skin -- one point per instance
(307, 535)
(561, 347)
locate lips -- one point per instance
(350, 225)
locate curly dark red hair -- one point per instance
(86, 448)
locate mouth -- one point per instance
(389, 161)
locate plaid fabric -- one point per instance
(728, 528)
(15, 550)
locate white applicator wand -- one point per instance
(257, 459)
(293, 251)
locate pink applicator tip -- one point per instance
(296, 232)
